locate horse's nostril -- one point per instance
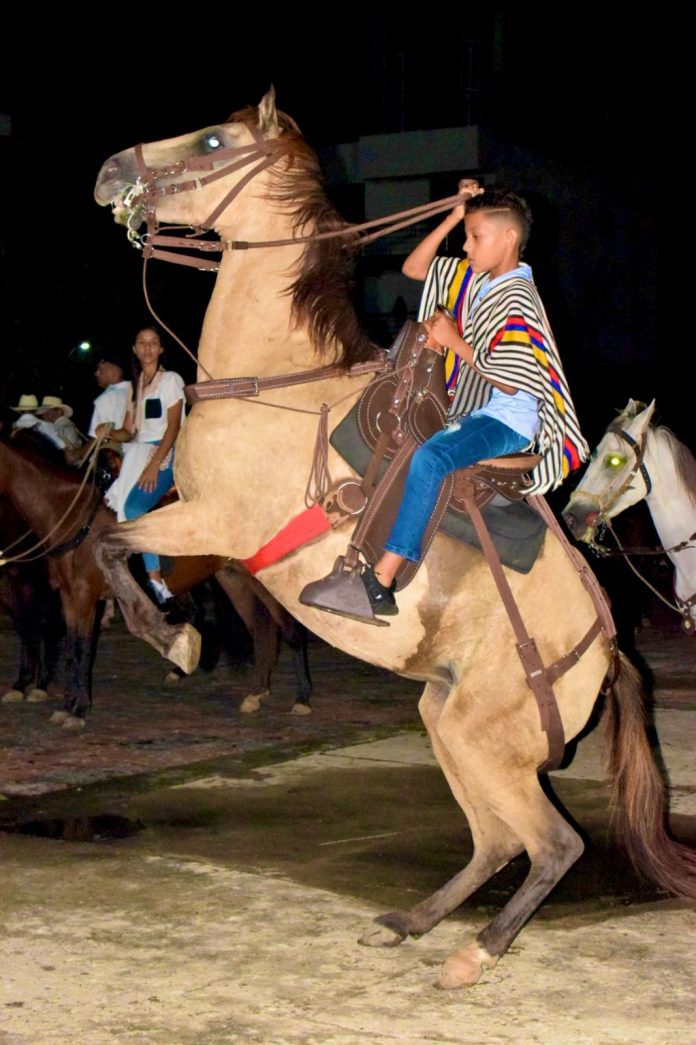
(592, 518)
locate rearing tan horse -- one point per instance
(242, 471)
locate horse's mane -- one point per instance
(321, 291)
(684, 460)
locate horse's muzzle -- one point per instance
(116, 175)
(582, 519)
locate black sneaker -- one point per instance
(381, 598)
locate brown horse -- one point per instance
(40, 490)
(26, 595)
(285, 308)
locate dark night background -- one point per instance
(587, 97)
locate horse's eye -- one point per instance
(212, 141)
(614, 461)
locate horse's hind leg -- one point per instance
(553, 847)
(499, 777)
(242, 592)
(495, 844)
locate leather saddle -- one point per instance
(396, 413)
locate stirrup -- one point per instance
(343, 593)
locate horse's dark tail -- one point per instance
(638, 792)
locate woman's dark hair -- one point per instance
(504, 200)
(136, 366)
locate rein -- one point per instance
(141, 200)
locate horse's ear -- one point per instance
(643, 417)
(268, 117)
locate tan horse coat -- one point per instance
(242, 469)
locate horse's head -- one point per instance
(193, 179)
(257, 183)
(615, 477)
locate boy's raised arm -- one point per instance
(418, 262)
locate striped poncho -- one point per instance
(512, 344)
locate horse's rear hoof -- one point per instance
(13, 696)
(466, 967)
(301, 709)
(73, 722)
(37, 696)
(252, 703)
(59, 717)
(173, 677)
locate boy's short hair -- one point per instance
(504, 200)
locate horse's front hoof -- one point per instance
(185, 650)
(300, 709)
(173, 677)
(59, 717)
(13, 696)
(74, 722)
(466, 967)
(37, 696)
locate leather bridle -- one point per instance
(681, 606)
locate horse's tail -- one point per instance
(638, 793)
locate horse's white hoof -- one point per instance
(59, 717)
(252, 702)
(73, 722)
(185, 650)
(466, 967)
(381, 936)
(301, 709)
(37, 696)
(172, 678)
(13, 696)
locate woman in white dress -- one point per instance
(150, 427)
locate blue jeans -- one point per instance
(477, 438)
(140, 501)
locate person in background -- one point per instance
(110, 408)
(53, 411)
(26, 408)
(150, 427)
(112, 403)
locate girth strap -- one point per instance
(537, 676)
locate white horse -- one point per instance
(636, 460)
(282, 311)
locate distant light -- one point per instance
(85, 346)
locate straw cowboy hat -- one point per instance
(54, 403)
(26, 403)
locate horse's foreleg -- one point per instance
(495, 844)
(180, 643)
(80, 612)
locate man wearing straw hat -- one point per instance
(26, 408)
(55, 412)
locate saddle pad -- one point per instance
(516, 529)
